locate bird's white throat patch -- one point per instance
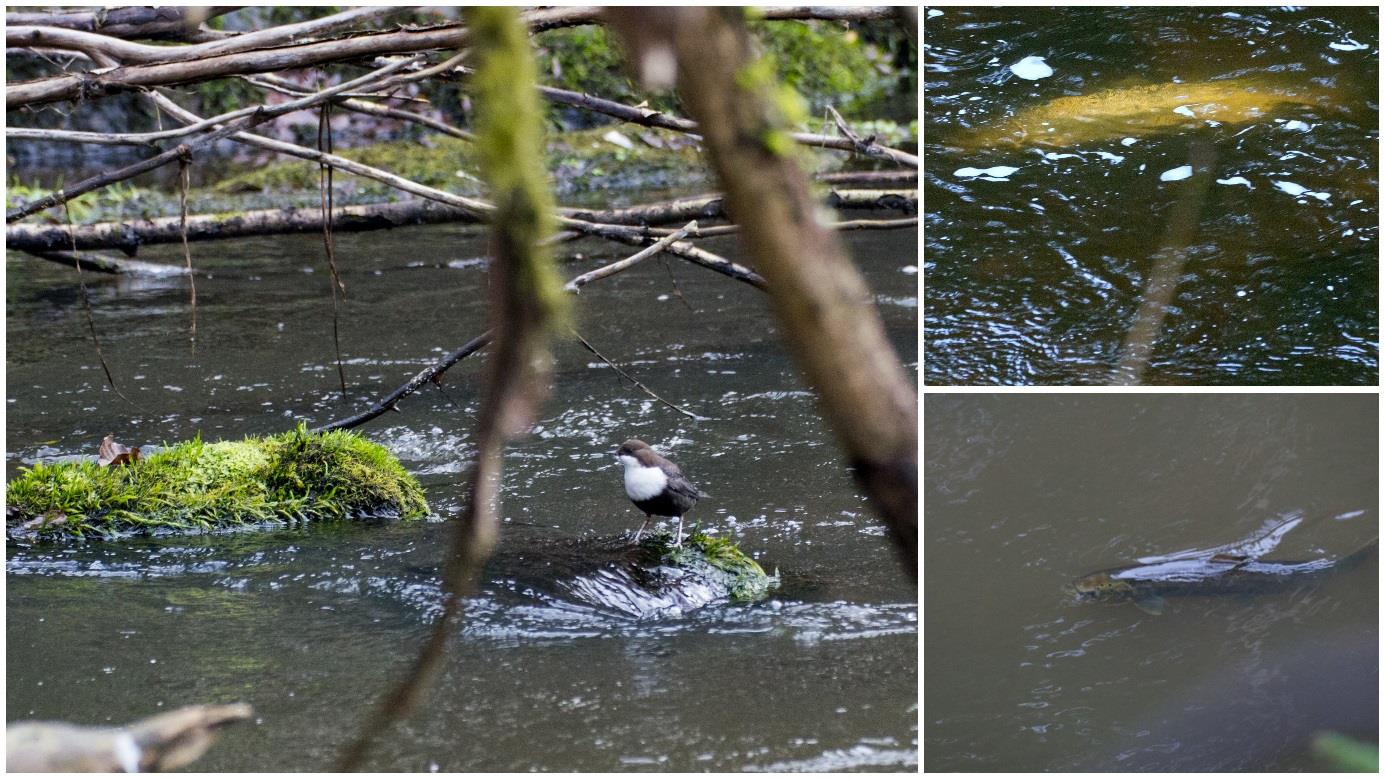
(642, 482)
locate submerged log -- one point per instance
(128, 236)
(293, 476)
(165, 742)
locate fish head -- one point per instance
(1101, 587)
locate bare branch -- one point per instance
(129, 235)
(262, 115)
(616, 267)
(161, 66)
(138, 53)
(362, 106)
(646, 390)
(172, 22)
(195, 63)
(113, 265)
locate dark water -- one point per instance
(1035, 277)
(1025, 493)
(310, 624)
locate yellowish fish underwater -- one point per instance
(1139, 110)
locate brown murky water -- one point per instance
(1025, 493)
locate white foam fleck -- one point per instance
(1295, 190)
(1177, 174)
(1031, 68)
(996, 173)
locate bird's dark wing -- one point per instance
(679, 484)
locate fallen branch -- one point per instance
(89, 42)
(129, 236)
(165, 22)
(478, 208)
(431, 373)
(647, 118)
(99, 263)
(184, 150)
(362, 106)
(204, 61)
(616, 267)
(871, 178)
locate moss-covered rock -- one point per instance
(206, 486)
(711, 560)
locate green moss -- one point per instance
(1346, 754)
(200, 486)
(829, 64)
(120, 198)
(717, 558)
(510, 145)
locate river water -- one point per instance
(1025, 493)
(1038, 247)
(311, 624)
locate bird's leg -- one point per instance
(640, 532)
(678, 537)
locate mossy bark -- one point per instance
(293, 476)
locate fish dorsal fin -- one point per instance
(1253, 547)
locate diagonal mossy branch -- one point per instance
(526, 305)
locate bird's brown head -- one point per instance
(639, 451)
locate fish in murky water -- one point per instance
(1144, 109)
(1229, 569)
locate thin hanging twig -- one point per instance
(185, 182)
(663, 260)
(651, 393)
(91, 320)
(324, 145)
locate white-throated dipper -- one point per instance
(655, 485)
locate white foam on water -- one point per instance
(1031, 68)
(996, 173)
(1177, 174)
